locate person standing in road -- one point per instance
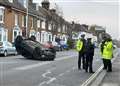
(81, 50)
(89, 55)
(107, 54)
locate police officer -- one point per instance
(81, 50)
(89, 55)
(107, 54)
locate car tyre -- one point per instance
(5, 53)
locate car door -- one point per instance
(6, 47)
(11, 48)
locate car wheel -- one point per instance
(16, 53)
(5, 53)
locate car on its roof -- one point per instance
(32, 49)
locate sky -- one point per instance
(101, 12)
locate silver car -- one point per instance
(6, 48)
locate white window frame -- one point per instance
(2, 14)
(59, 29)
(32, 23)
(23, 21)
(49, 27)
(11, 1)
(63, 28)
(38, 23)
(16, 19)
(43, 24)
(37, 7)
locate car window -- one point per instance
(8, 44)
(33, 44)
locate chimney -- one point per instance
(53, 11)
(45, 4)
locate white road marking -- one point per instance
(51, 80)
(42, 83)
(31, 66)
(6, 62)
(61, 74)
(44, 74)
(41, 64)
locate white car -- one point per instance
(6, 48)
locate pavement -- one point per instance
(113, 78)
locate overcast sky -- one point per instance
(101, 12)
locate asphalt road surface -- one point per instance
(18, 71)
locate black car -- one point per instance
(32, 49)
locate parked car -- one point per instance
(57, 46)
(48, 44)
(6, 48)
(32, 49)
(63, 45)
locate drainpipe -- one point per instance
(27, 19)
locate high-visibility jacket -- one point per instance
(79, 45)
(107, 50)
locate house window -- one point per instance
(1, 14)
(4, 36)
(58, 29)
(38, 23)
(42, 37)
(25, 3)
(50, 38)
(16, 19)
(23, 21)
(49, 27)
(43, 25)
(37, 7)
(63, 28)
(32, 23)
(11, 1)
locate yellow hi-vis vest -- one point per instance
(108, 50)
(79, 45)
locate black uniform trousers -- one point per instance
(89, 61)
(81, 60)
(107, 64)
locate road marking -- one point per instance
(6, 62)
(61, 74)
(51, 80)
(31, 66)
(94, 76)
(41, 64)
(42, 83)
(44, 74)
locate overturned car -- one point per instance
(31, 49)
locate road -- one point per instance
(17, 71)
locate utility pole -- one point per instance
(26, 18)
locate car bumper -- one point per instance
(1, 51)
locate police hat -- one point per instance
(83, 35)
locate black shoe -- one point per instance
(109, 70)
(104, 68)
(86, 71)
(91, 72)
(79, 68)
(83, 67)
